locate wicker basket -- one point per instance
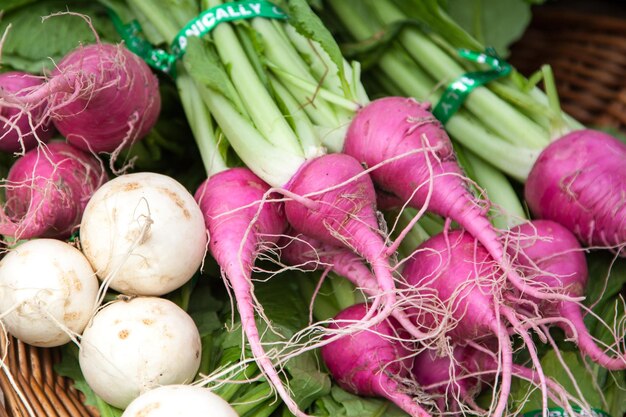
(588, 56)
(48, 394)
(587, 52)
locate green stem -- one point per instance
(314, 91)
(275, 165)
(285, 62)
(558, 126)
(319, 63)
(306, 131)
(157, 17)
(266, 116)
(494, 112)
(514, 160)
(199, 120)
(195, 111)
(508, 210)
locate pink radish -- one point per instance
(460, 376)
(335, 203)
(47, 190)
(462, 273)
(307, 253)
(419, 166)
(21, 130)
(371, 362)
(578, 181)
(240, 226)
(558, 255)
(102, 97)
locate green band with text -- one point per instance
(165, 61)
(456, 93)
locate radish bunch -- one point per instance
(282, 106)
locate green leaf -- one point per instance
(34, 46)
(205, 66)
(607, 279)
(287, 310)
(526, 396)
(341, 403)
(496, 23)
(309, 25)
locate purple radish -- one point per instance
(578, 181)
(370, 362)
(240, 228)
(47, 190)
(557, 253)
(462, 273)
(334, 202)
(418, 165)
(22, 129)
(101, 97)
(461, 378)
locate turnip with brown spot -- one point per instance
(144, 234)
(47, 292)
(135, 344)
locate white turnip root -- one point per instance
(179, 401)
(136, 344)
(47, 292)
(144, 234)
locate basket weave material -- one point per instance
(588, 57)
(587, 54)
(31, 370)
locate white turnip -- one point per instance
(144, 234)
(136, 344)
(47, 292)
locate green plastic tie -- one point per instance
(157, 58)
(165, 61)
(227, 12)
(456, 93)
(560, 412)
